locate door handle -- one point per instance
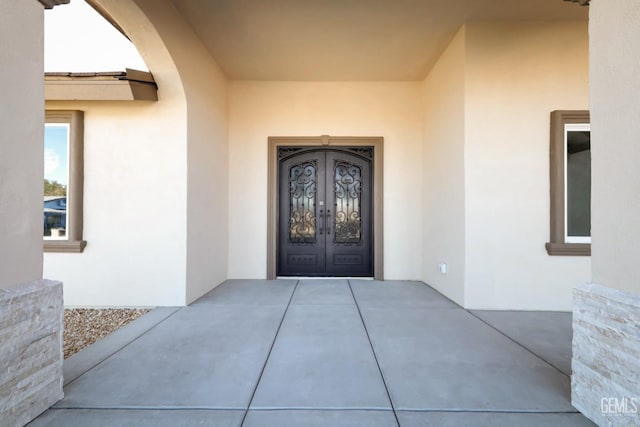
(319, 220)
(327, 223)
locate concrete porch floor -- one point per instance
(324, 353)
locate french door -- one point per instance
(325, 212)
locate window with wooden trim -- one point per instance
(570, 178)
(63, 181)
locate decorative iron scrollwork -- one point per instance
(348, 199)
(366, 152)
(302, 206)
(288, 151)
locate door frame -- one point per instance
(324, 141)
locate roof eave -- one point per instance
(130, 85)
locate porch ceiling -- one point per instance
(346, 40)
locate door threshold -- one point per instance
(322, 278)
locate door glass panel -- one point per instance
(302, 205)
(348, 191)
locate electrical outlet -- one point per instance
(442, 267)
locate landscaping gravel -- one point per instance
(84, 326)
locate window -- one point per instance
(63, 181)
(570, 177)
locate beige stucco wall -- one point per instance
(443, 172)
(134, 207)
(205, 87)
(615, 95)
(486, 163)
(262, 109)
(516, 74)
(155, 176)
(206, 151)
(207, 181)
(21, 161)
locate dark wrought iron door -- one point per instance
(325, 212)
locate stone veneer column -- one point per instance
(31, 352)
(606, 346)
(605, 384)
(30, 308)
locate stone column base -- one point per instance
(31, 355)
(605, 384)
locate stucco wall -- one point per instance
(206, 151)
(21, 161)
(155, 176)
(134, 207)
(205, 87)
(262, 109)
(605, 381)
(615, 94)
(516, 74)
(443, 172)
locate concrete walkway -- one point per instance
(324, 353)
